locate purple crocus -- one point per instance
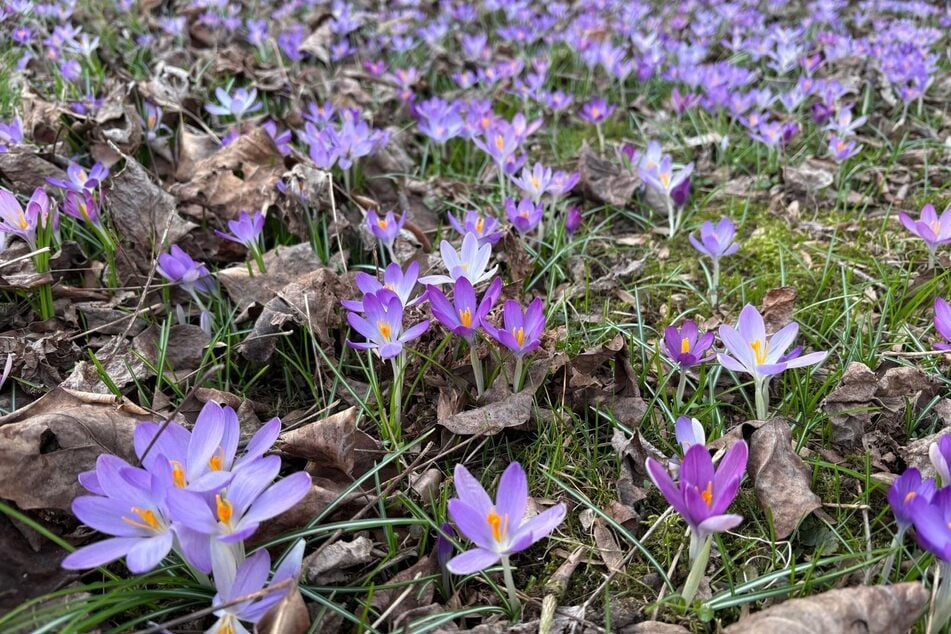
(749, 351)
(942, 323)
(703, 495)
(486, 228)
(906, 488)
(498, 529)
(179, 268)
(383, 325)
(685, 347)
(82, 206)
(471, 261)
(932, 521)
(934, 230)
(940, 454)
(248, 578)
(526, 215)
(688, 432)
(79, 180)
(535, 182)
(500, 142)
(385, 228)
(841, 150)
(129, 506)
(596, 111)
(562, 183)
(522, 331)
(246, 230)
(464, 314)
(11, 134)
(573, 220)
(716, 240)
(243, 102)
(394, 279)
(14, 220)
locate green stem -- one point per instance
(514, 603)
(517, 377)
(761, 386)
(699, 566)
(600, 138)
(396, 399)
(896, 547)
(715, 286)
(259, 259)
(681, 387)
(942, 600)
(477, 369)
(671, 217)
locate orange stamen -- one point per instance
(465, 318)
(707, 494)
(684, 346)
(519, 334)
(149, 521)
(225, 510)
(178, 474)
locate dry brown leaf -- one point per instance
(778, 306)
(780, 478)
(325, 565)
(47, 444)
(31, 567)
(511, 411)
(881, 609)
(289, 616)
(603, 180)
(850, 405)
(611, 553)
(239, 176)
(655, 627)
(808, 178)
(328, 441)
(409, 597)
(25, 169)
(284, 265)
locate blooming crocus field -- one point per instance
(594, 316)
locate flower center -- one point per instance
(21, 220)
(178, 474)
(519, 334)
(760, 350)
(910, 496)
(225, 510)
(147, 519)
(479, 226)
(684, 345)
(217, 461)
(535, 182)
(935, 227)
(226, 627)
(384, 329)
(595, 111)
(707, 494)
(665, 179)
(499, 142)
(382, 223)
(465, 318)
(498, 523)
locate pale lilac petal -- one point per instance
(730, 363)
(738, 346)
(781, 340)
(472, 561)
(718, 524)
(148, 553)
(472, 523)
(262, 440)
(253, 478)
(543, 524)
(662, 480)
(100, 553)
(105, 515)
(206, 438)
(470, 491)
(251, 574)
(751, 326)
(807, 359)
(196, 547)
(191, 510)
(512, 495)
(279, 497)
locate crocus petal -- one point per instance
(512, 495)
(100, 553)
(252, 574)
(149, 552)
(251, 480)
(105, 515)
(262, 440)
(543, 524)
(807, 359)
(718, 524)
(191, 510)
(697, 467)
(662, 480)
(196, 547)
(279, 497)
(470, 491)
(206, 438)
(782, 340)
(732, 465)
(730, 363)
(751, 326)
(472, 524)
(738, 346)
(472, 561)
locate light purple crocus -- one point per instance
(942, 323)
(383, 325)
(562, 183)
(664, 178)
(385, 228)
(933, 229)
(703, 494)
(129, 506)
(248, 578)
(82, 206)
(243, 102)
(464, 314)
(179, 268)
(11, 134)
(573, 220)
(16, 221)
(841, 150)
(685, 346)
(526, 215)
(498, 529)
(471, 261)
(486, 228)
(596, 111)
(716, 240)
(932, 521)
(394, 279)
(522, 331)
(500, 142)
(688, 432)
(534, 182)
(246, 230)
(79, 180)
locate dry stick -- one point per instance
(154, 629)
(868, 540)
(402, 597)
(24, 257)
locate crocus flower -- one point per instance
(14, 220)
(940, 454)
(464, 314)
(534, 182)
(245, 230)
(841, 150)
(444, 547)
(243, 102)
(749, 351)
(10, 134)
(386, 228)
(249, 578)
(79, 179)
(573, 220)
(596, 111)
(394, 279)
(486, 228)
(664, 178)
(152, 122)
(716, 241)
(521, 332)
(908, 487)
(82, 206)
(526, 215)
(178, 267)
(703, 495)
(498, 529)
(562, 183)
(130, 506)
(383, 325)
(500, 142)
(685, 347)
(688, 432)
(470, 262)
(933, 229)
(942, 323)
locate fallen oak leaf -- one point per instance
(511, 411)
(328, 441)
(889, 609)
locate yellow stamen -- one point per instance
(151, 121)
(665, 179)
(684, 346)
(595, 111)
(225, 510)
(384, 329)
(479, 226)
(21, 220)
(760, 350)
(499, 142)
(381, 223)
(226, 628)
(535, 182)
(149, 521)
(465, 318)
(707, 494)
(84, 210)
(217, 462)
(519, 334)
(498, 523)
(911, 495)
(485, 122)
(178, 474)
